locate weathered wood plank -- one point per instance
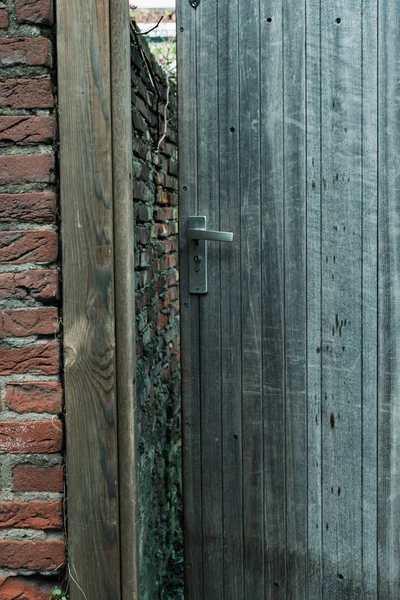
(83, 39)
(125, 330)
(228, 65)
(191, 409)
(369, 298)
(252, 293)
(208, 172)
(295, 305)
(314, 288)
(341, 298)
(388, 303)
(271, 57)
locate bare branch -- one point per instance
(152, 29)
(164, 135)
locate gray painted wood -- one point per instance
(299, 353)
(208, 170)
(252, 293)
(314, 304)
(271, 58)
(228, 78)
(369, 297)
(295, 294)
(341, 221)
(388, 303)
(190, 334)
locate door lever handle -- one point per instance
(196, 233)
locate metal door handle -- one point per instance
(209, 235)
(199, 235)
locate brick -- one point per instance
(26, 129)
(166, 198)
(3, 18)
(162, 321)
(164, 230)
(165, 214)
(27, 51)
(144, 235)
(33, 515)
(40, 359)
(144, 258)
(37, 436)
(143, 213)
(26, 168)
(30, 321)
(171, 278)
(161, 179)
(35, 207)
(170, 245)
(26, 93)
(33, 479)
(25, 588)
(40, 285)
(142, 193)
(34, 397)
(19, 247)
(35, 11)
(170, 296)
(45, 556)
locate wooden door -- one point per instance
(290, 138)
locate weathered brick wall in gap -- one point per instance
(31, 433)
(158, 367)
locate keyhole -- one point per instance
(197, 259)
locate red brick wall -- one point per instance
(31, 430)
(155, 195)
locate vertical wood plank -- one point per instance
(389, 304)
(341, 291)
(294, 141)
(252, 293)
(125, 330)
(83, 38)
(369, 298)
(228, 81)
(190, 334)
(314, 288)
(210, 304)
(271, 57)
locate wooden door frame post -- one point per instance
(98, 297)
(124, 263)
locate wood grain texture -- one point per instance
(341, 221)
(388, 303)
(314, 298)
(229, 198)
(312, 188)
(208, 170)
(273, 307)
(251, 297)
(190, 334)
(83, 38)
(369, 183)
(295, 296)
(125, 330)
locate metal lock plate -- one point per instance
(197, 258)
